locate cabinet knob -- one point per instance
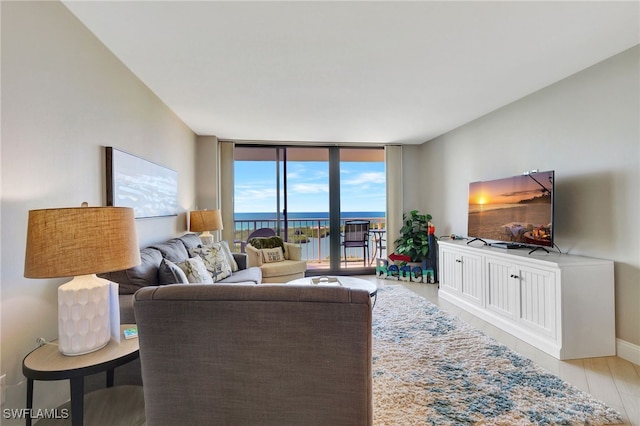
(514, 276)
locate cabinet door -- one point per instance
(502, 286)
(450, 279)
(538, 300)
(471, 278)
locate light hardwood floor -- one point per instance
(612, 380)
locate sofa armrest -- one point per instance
(254, 257)
(294, 251)
(241, 260)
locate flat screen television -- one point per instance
(513, 211)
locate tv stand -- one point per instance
(539, 248)
(505, 245)
(559, 303)
(477, 239)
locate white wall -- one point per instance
(587, 129)
(65, 97)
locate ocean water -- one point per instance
(307, 215)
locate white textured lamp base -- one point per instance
(206, 238)
(83, 315)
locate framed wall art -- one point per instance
(149, 188)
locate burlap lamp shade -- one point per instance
(205, 221)
(81, 242)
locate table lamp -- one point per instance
(81, 242)
(205, 221)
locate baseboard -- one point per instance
(628, 351)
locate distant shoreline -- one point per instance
(307, 215)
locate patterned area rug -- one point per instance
(431, 368)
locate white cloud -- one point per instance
(255, 194)
(303, 173)
(366, 178)
(310, 188)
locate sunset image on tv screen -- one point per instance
(518, 209)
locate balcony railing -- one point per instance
(312, 235)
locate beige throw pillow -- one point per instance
(195, 271)
(272, 255)
(227, 251)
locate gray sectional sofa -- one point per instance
(268, 355)
(153, 271)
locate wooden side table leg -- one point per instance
(77, 401)
(29, 401)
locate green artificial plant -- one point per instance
(414, 236)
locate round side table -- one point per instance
(47, 363)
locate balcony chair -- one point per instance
(260, 232)
(356, 234)
(279, 261)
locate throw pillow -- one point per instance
(215, 260)
(272, 255)
(195, 271)
(230, 258)
(267, 242)
(170, 273)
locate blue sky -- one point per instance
(362, 186)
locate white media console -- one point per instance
(559, 303)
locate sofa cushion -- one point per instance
(215, 260)
(251, 275)
(174, 250)
(286, 267)
(170, 273)
(190, 241)
(196, 271)
(145, 274)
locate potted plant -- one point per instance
(414, 236)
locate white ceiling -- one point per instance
(362, 71)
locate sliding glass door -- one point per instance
(362, 203)
(305, 194)
(259, 175)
